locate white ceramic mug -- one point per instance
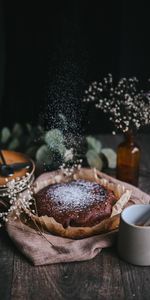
(134, 237)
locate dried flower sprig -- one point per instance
(17, 201)
(127, 106)
(69, 169)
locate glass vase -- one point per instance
(128, 159)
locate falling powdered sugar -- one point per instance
(76, 194)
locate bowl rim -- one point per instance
(132, 207)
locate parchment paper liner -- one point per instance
(49, 224)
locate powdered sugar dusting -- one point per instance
(76, 194)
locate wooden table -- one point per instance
(104, 277)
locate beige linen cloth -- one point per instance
(45, 248)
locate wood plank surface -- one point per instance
(6, 265)
(104, 277)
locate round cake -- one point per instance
(76, 203)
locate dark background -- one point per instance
(49, 53)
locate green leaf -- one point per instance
(61, 150)
(111, 156)
(94, 160)
(94, 144)
(43, 155)
(40, 129)
(63, 121)
(5, 135)
(14, 144)
(68, 154)
(54, 137)
(29, 127)
(55, 141)
(17, 130)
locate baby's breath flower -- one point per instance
(18, 202)
(128, 108)
(68, 170)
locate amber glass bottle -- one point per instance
(128, 159)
